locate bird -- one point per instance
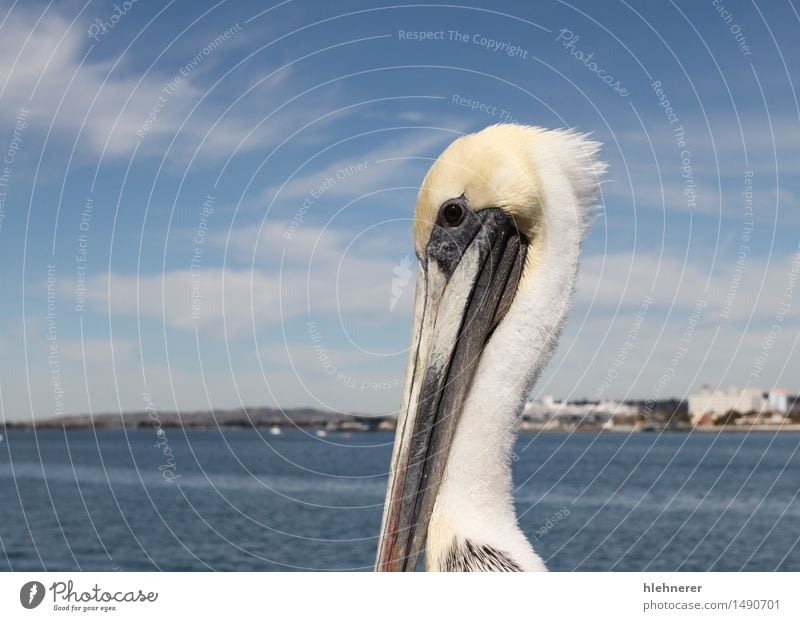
(498, 227)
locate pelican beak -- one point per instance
(466, 281)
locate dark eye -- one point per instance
(452, 214)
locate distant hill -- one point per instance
(245, 417)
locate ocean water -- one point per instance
(247, 500)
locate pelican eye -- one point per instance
(452, 214)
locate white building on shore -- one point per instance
(778, 401)
(721, 401)
(718, 402)
(548, 412)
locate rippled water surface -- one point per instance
(247, 500)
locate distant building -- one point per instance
(778, 401)
(550, 413)
(708, 403)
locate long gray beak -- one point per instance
(466, 282)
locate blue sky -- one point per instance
(267, 161)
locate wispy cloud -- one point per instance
(319, 276)
(750, 289)
(388, 165)
(51, 69)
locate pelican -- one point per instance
(498, 227)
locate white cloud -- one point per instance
(40, 67)
(719, 353)
(404, 153)
(45, 69)
(96, 351)
(655, 181)
(320, 277)
(625, 279)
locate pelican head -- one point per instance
(498, 226)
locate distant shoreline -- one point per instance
(53, 426)
(329, 421)
(227, 419)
